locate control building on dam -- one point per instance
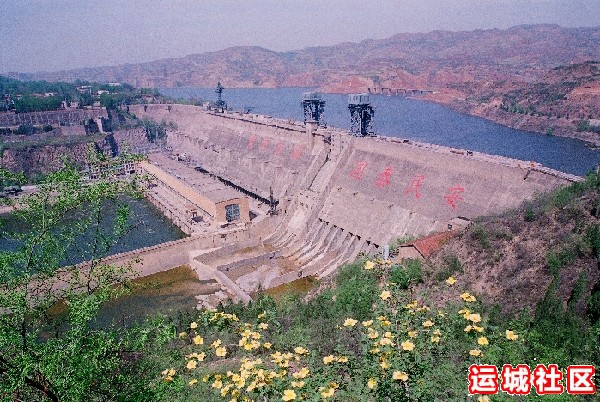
(336, 195)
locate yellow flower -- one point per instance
(385, 295)
(263, 325)
(262, 315)
(221, 352)
(216, 343)
(428, 324)
(478, 329)
(511, 336)
(300, 350)
(329, 393)
(372, 334)
(482, 340)
(192, 364)
(342, 359)
(371, 383)
(466, 296)
(267, 345)
(193, 382)
(399, 375)
(483, 398)
(435, 339)
(385, 341)
(412, 334)
(350, 322)
(384, 365)
(369, 265)
(288, 395)
(218, 384)
(367, 323)
(182, 334)
(297, 384)
(169, 372)
(468, 328)
(451, 281)
(474, 317)
(437, 332)
(193, 325)
(198, 340)
(475, 352)
(301, 374)
(407, 345)
(328, 359)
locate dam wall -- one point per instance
(385, 188)
(252, 152)
(341, 195)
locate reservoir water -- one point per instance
(397, 116)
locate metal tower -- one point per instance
(220, 105)
(313, 107)
(361, 115)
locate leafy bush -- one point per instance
(407, 275)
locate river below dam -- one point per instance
(414, 119)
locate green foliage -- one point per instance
(33, 104)
(452, 266)
(356, 290)
(529, 215)
(49, 346)
(406, 275)
(592, 237)
(480, 234)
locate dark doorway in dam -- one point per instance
(232, 212)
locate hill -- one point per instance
(563, 101)
(422, 60)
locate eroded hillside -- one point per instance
(523, 256)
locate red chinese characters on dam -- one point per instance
(384, 178)
(297, 152)
(251, 142)
(415, 185)
(278, 148)
(265, 144)
(454, 195)
(359, 170)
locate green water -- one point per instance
(148, 228)
(166, 293)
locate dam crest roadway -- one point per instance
(268, 201)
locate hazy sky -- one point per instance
(48, 35)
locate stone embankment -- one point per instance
(337, 195)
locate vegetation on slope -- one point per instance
(380, 331)
(377, 335)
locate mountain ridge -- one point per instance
(424, 56)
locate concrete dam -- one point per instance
(317, 196)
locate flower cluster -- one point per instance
(388, 352)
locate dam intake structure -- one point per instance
(337, 195)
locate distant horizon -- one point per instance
(290, 50)
(59, 35)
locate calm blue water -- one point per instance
(396, 116)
